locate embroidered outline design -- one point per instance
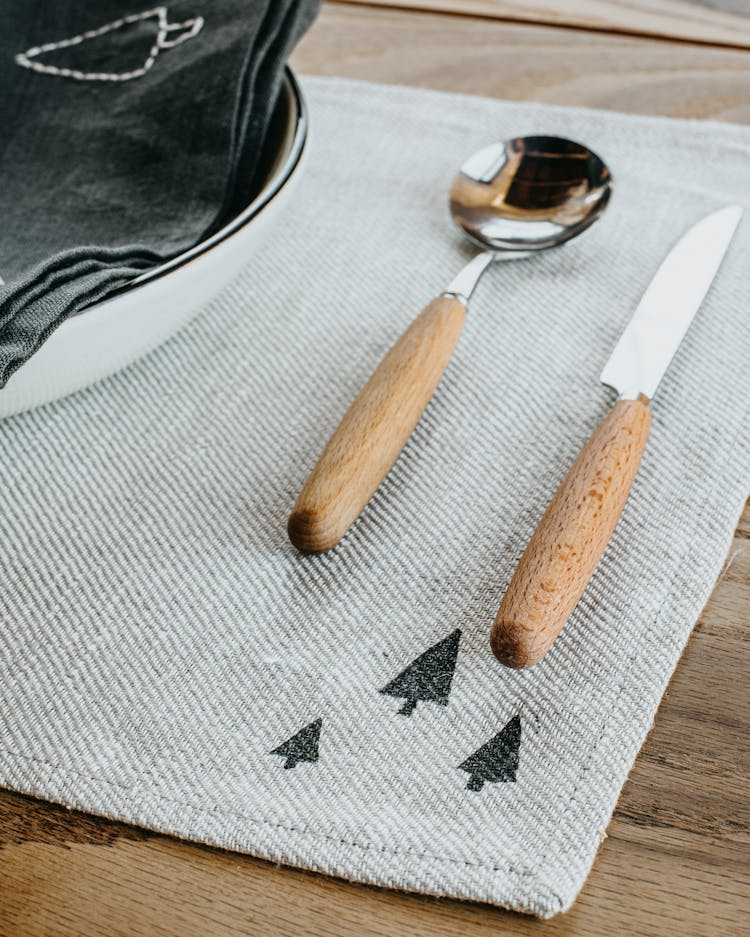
(193, 27)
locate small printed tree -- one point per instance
(428, 678)
(301, 747)
(497, 760)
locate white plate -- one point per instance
(115, 332)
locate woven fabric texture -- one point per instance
(167, 658)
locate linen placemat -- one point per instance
(168, 659)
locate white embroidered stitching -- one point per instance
(193, 27)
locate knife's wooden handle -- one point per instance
(375, 428)
(571, 537)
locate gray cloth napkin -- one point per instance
(128, 133)
(168, 659)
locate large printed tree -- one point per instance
(427, 678)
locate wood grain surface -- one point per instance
(675, 862)
(375, 428)
(570, 539)
(708, 22)
(529, 63)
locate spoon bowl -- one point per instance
(529, 193)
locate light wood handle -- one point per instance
(375, 428)
(571, 537)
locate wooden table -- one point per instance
(676, 860)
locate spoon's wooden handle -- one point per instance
(375, 428)
(571, 537)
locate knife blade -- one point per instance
(668, 306)
(574, 531)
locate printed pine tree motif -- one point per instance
(301, 747)
(428, 678)
(497, 760)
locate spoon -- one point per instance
(512, 199)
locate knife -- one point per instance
(575, 529)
